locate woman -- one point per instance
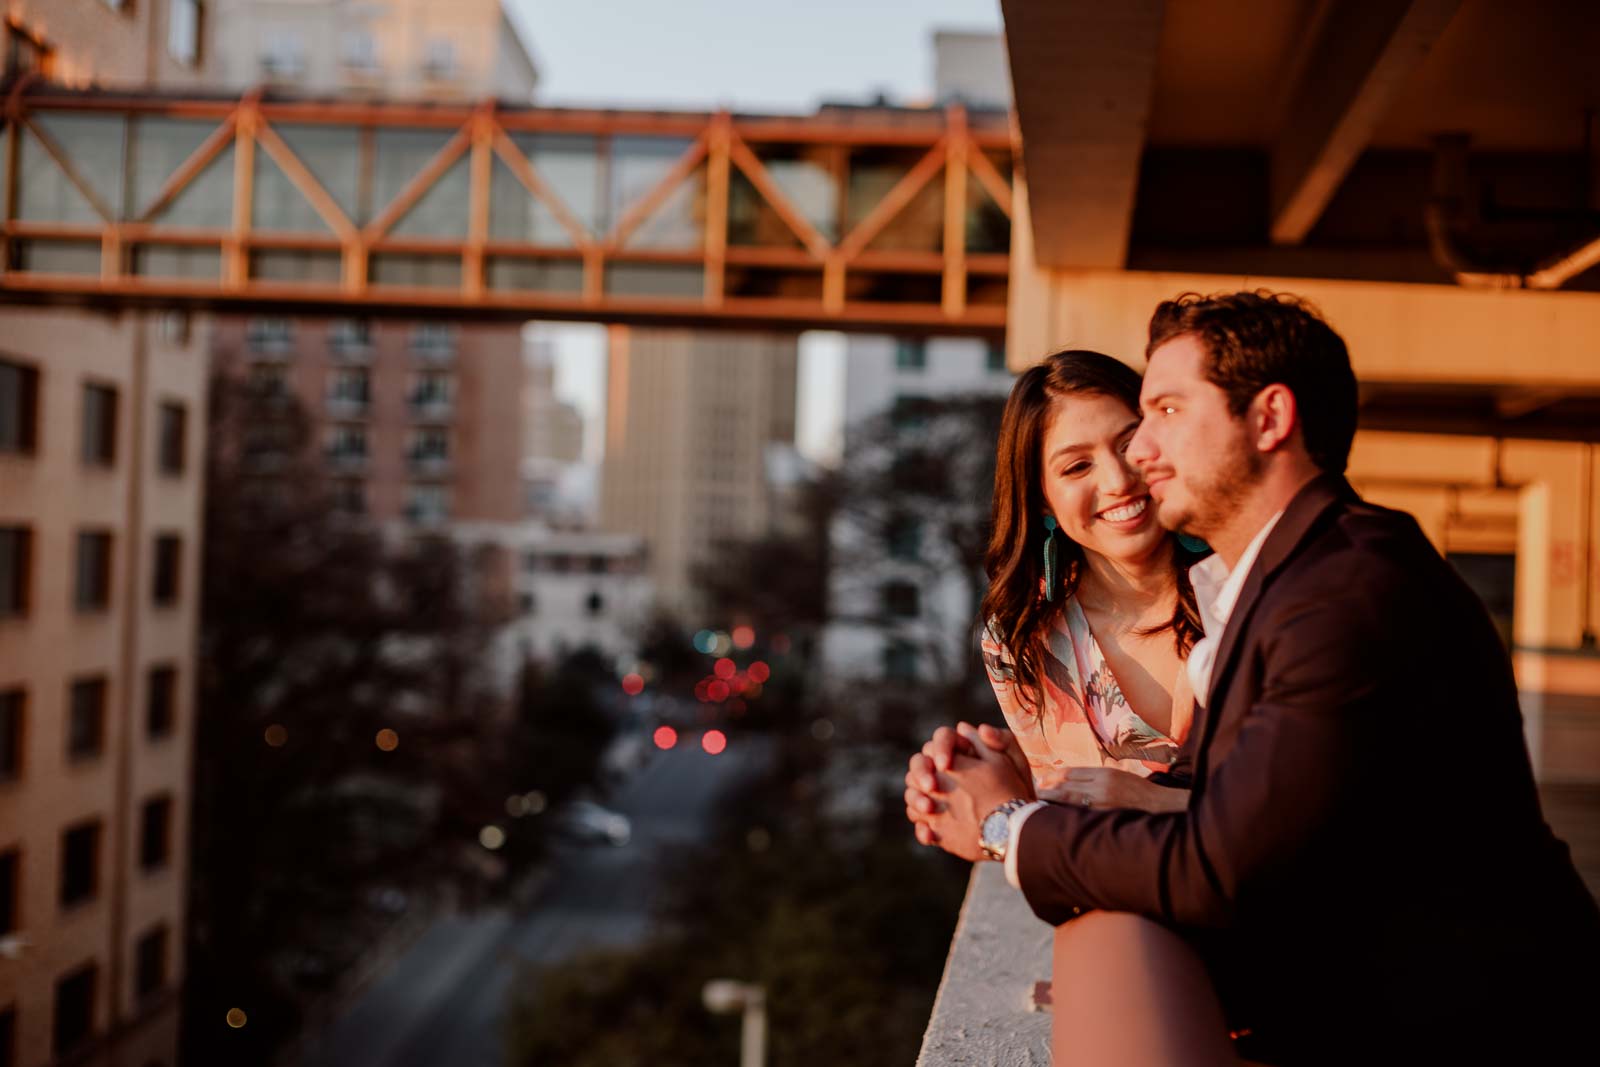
(1090, 613)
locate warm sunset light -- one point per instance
(388, 740)
(665, 737)
(713, 741)
(236, 1018)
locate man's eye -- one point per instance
(1168, 409)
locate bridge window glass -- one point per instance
(183, 31)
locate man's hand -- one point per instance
(925, 778)
(1109, 787)
(982, 781)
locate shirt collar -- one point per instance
(1217, 589)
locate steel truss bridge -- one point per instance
(852, 218)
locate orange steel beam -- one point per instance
(898, 129)
(54, 151)
(523, 169)
(419, 184)
(954, 289)
(326, 207)
(482, 164)
(759, 177)
(720, 137)
(190, 168)
(983, 169)
(235, 253)
(722, 141)
(647, 205)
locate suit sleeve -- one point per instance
(1322, 668)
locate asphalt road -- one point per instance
(440, 1005)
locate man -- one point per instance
(1363, 866)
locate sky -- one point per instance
(781, 56)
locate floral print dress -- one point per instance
(1086, 721)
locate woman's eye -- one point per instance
(1075, 469)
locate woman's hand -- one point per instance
(1108, 787)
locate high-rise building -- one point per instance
(101, 426)
(101, 480)
(463, 49)
(416, 422)
(689, 416)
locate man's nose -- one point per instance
(1142, 449)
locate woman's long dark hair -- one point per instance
(1016, 614)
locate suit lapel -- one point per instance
(1299, 517)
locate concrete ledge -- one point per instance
(984, 1012)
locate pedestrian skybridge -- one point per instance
(851, 218)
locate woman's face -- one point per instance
(1098, 498)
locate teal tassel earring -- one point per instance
(1050, 557)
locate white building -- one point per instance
(580, 589)
(900, 607)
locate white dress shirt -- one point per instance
(1216, 591)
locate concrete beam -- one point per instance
(1366, 51)
(1082, 73)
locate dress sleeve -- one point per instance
(1024, 722)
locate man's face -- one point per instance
(1195, 455)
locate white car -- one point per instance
(584, 820)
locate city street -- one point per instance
(440, 1005)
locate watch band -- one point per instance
(996, 850)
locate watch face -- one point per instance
(996, 830)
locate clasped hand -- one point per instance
(961, 775)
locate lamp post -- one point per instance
(724, 996)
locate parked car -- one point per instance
(584, 820)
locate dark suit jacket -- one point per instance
(1363, 863)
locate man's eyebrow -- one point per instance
(1151, 401)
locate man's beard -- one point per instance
(1216, 496)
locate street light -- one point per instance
(724, 996)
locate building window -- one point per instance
(904, 537)
(12, 704)
(99, 425)
(155, 834)
(427, 503)
(595, 604)
(432, 391)
(283, 54)
(269, 335)
(526, 604)
(168, 566)
(439, 58)
(161, 703)
(86, 722)
(150, 964)
(16, 568)
(183, 32)
(900, 600)
(910, 353)
(80, 860)
(435, 340)
(429, 448)
(174, 439)
(347, 443)
(350, 386)
(19, 408)
(358, 51)
(10, 893)
(92, 588)
(994, 356)
(74, 1010)
(900, 661)
(350, 336)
